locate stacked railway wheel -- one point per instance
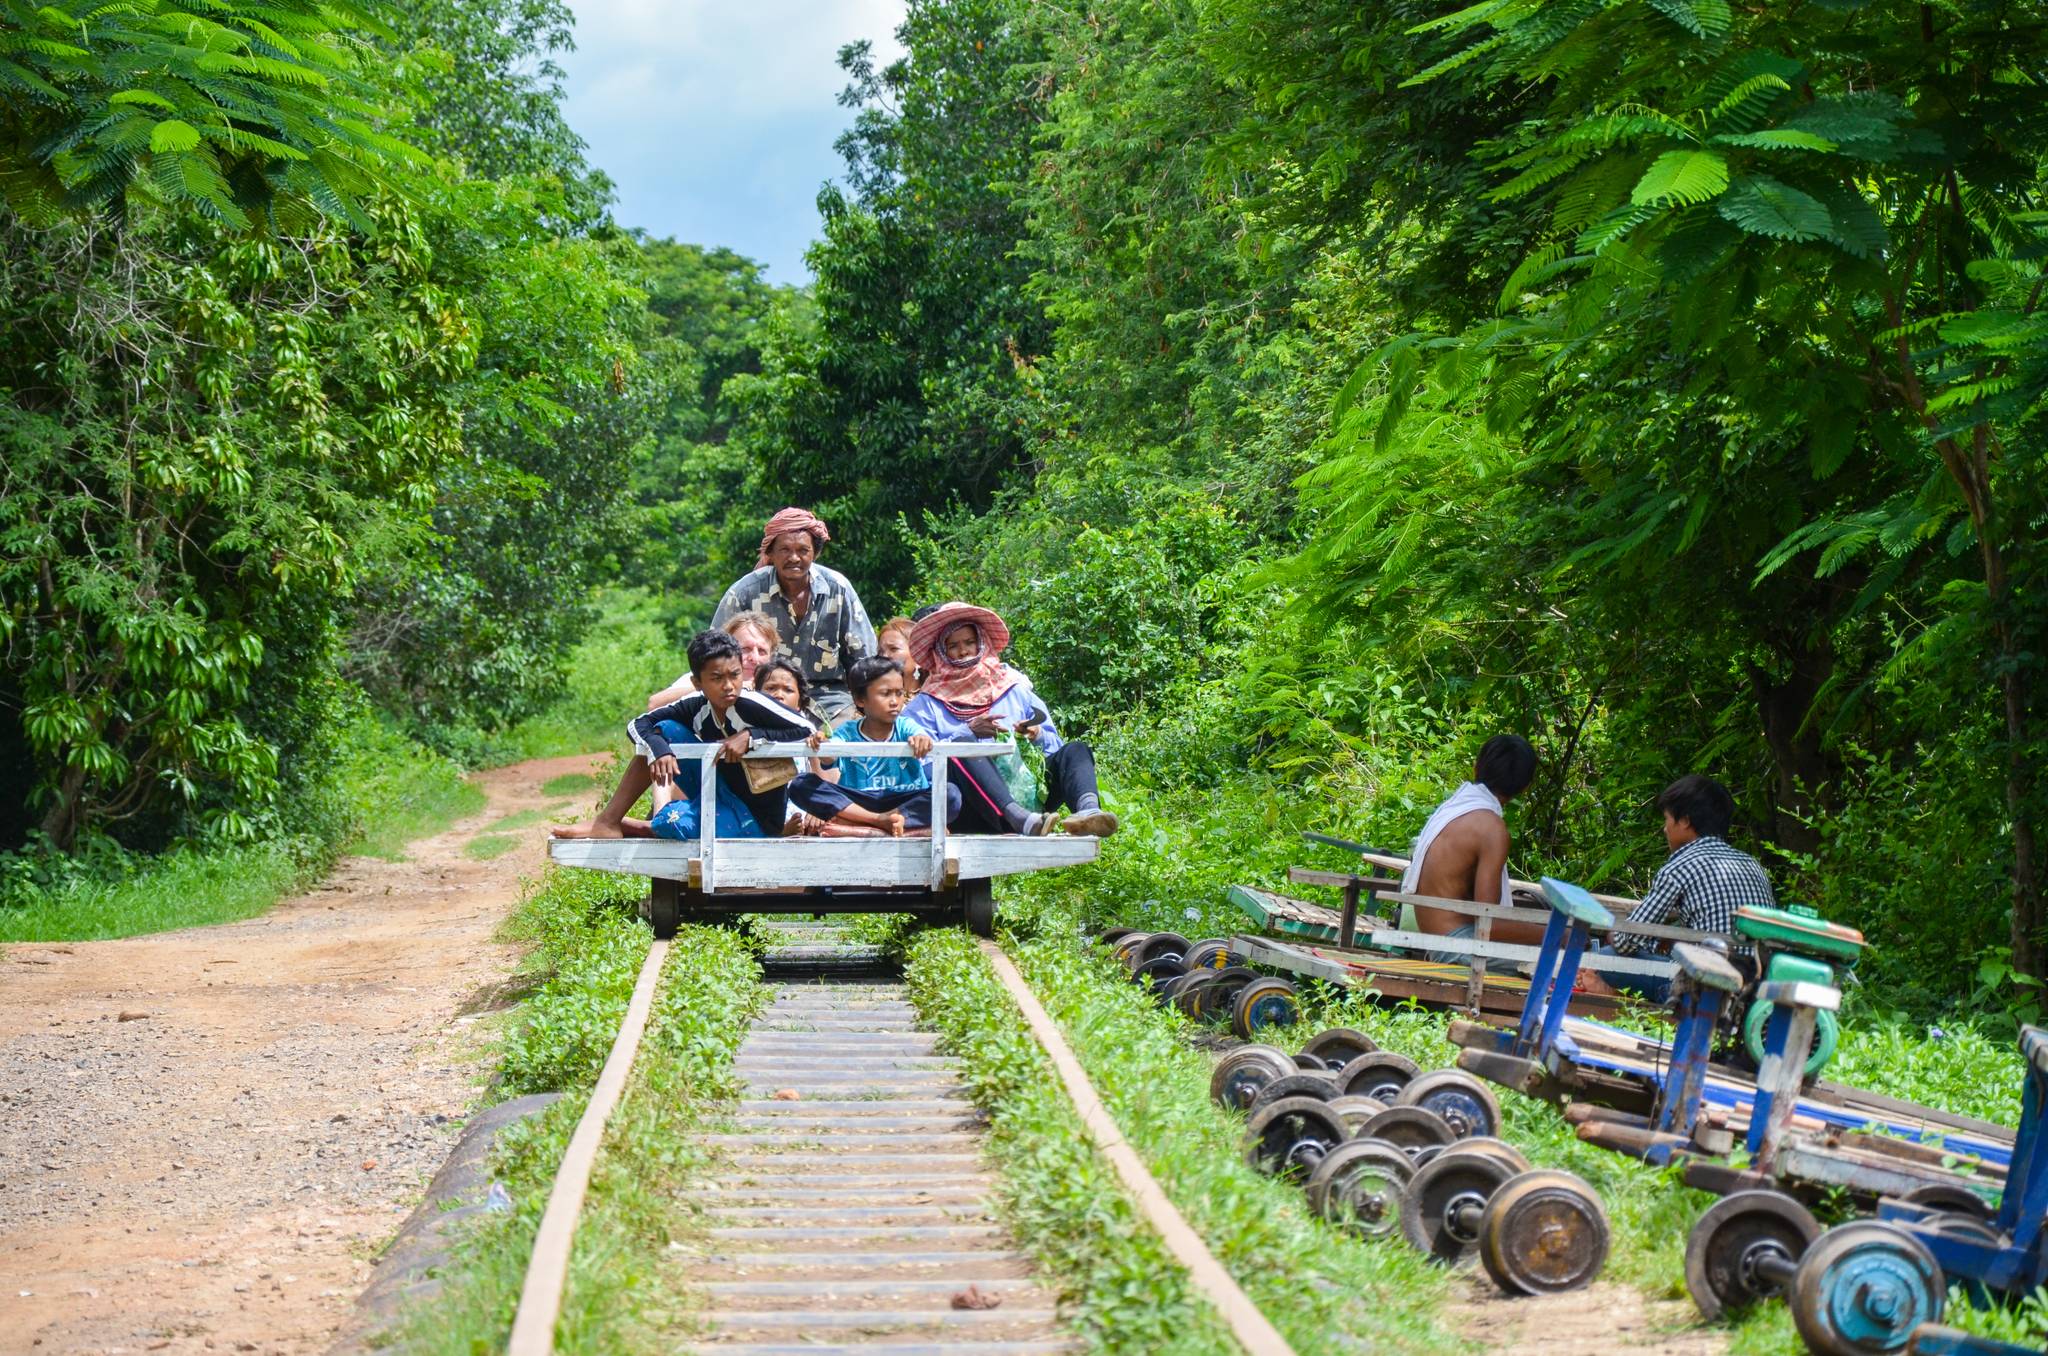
(853, 1211)
(1384, 1150)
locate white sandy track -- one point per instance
(215, 1174)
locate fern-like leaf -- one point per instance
(1764, 83)
(1701, 18)
(1765, 206)
(1777, 139)
(1683, 178)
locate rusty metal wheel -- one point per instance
(1358, 1187)
(1291, 1137)
(1740, 1250)
(1409, 1129)
(1262, 1006)
(1464, 1102)
(1446, 1199)
(1544, 1233)
(1302, 1084)
(1380, 1075)
(1339, 1045)
(1240, 1074)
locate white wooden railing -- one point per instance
(940, 754)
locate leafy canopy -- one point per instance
(230, 108)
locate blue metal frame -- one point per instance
(1539, 1036)
(2020, 1263)
(1931, 1339)
(1681, 1094)
(1574, 916)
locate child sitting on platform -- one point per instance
(721, 712)
(886, 795)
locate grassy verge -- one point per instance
(626, 1291)
(384, 792)
(1060, 1198)
(1319, 1288)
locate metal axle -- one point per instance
(1771, 1265)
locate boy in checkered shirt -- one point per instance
(1700, 886)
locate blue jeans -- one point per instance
(828, 800)
(1649, 988)
(678, 818)
(1464, 934)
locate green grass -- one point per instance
(389, 789)
(628, 654)
(628, 1290)
(489, 846)
(568, 784)
(1322, 1289)
(180, 889)
(1061, 1199)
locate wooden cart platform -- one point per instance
(943, 876)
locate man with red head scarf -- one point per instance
(814, 610)
(969, 693)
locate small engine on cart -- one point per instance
(1792, 945)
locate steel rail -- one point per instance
(547, 1270)
(1252, 1329)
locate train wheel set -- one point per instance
(1381, 1148)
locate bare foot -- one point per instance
(893, 822)
(1590, 982)
(596, 828)
(636, 828)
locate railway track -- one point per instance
(853, 1212)
(852, 1209)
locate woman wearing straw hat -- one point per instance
(969, 693)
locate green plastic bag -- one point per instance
(1023, 778)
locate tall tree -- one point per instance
(230, 113)
(904, 398)
(1821, 227)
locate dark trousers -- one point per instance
(815, 796)
(987, 805)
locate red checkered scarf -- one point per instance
(967, 687)
(791, 520)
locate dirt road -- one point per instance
(206, 1135)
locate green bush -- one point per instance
(374, 791)
(632, 650)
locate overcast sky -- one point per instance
(716, 117)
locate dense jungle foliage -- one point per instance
(1663, 380)
(1316, 388)
(328, 377)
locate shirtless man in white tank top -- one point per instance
(1463, 851)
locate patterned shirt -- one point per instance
(882, 773)
(1701, 885)
(834, 632)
